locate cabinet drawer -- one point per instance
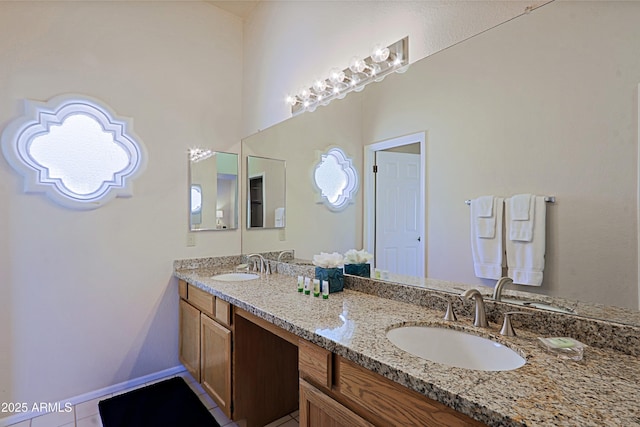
(223, 312)
(314, 363)
(201, 299)
(182, 289)
(394, 404)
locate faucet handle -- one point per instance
(507, 330)
(450, 315)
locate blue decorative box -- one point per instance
(362, 270)
(334, 276)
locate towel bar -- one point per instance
(548, 199)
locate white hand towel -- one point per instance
(487, 252)
(520, 207)
(485, 223)
(522, 212)
(526, 259)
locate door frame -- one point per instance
(369, 189)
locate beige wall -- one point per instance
(310, 226)
(545, 104)
(287, 44)
(87, 298)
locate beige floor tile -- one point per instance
(279, 421)
(220, 417)
(208, 402)
(54, 419)
(89, 408)
(290, 423)
(92, 421)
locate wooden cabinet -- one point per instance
(258, 372)
(189, 340)
(215, 362)
(319, 410)
(205, 342)
(337, 388)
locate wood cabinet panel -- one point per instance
(265, 372)
(223, 312)
(314, 363)
(202, 300)
(182, 288)
(394, 404)
(319, 410)
(215, 359)
(189, 341)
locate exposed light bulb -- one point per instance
(319, 85)
(379, 53)
(336, 75)
(357, 65)
(304, 93)
(291, 100)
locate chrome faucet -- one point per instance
(497, 290)
(261, 260)
(284, 253)
(480, 319)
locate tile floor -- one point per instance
(86, 414)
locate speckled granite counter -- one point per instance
(600, 390)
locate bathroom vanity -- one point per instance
(265, 350)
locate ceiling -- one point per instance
(240, 8)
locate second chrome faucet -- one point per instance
(480, 318)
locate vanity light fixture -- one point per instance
(359, 73)
(199, 154)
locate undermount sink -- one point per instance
(455, 348)
(235, 277)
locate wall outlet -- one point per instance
(281, 235)
(191, 239)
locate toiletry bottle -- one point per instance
(307, 285)
(325, 289)
(316, 287)
(300, 283)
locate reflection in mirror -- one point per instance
(213, 199)
(335, 179)
(500, 118)
(265, 193)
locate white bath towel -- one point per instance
(487, 251)
(526, 258)
(522, 212)
(485, 220)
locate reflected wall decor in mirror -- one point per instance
(335, 179)
(213, 195)
(500, 118)
(265, 193)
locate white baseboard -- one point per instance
(116, 388)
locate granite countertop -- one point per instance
(601, 389)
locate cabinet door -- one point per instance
(215, 358)
(319, 410)
(190, 338)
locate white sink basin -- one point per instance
(235, 277)
(455, 348)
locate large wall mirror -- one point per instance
(266, 199)
(213, 196)
(500, 117)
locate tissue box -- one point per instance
(334, 276)
(362, 270)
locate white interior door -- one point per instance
(398, 241)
